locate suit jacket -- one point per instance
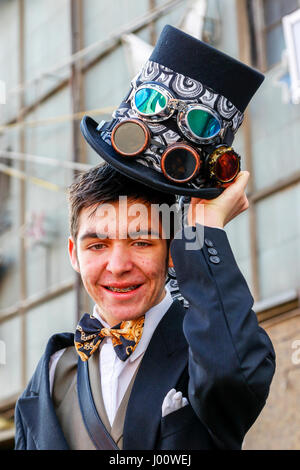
(214, 352)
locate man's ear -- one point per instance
(170, 261)
(73, 254)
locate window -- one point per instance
(265, 19)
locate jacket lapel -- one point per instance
(37, 410)
(161, 367)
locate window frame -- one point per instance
(261, 31)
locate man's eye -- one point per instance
(142, 244)
(97, 247)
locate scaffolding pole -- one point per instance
(22, 198)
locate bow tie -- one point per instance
(90, 333)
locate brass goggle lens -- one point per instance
(224, 164)
(130, 137)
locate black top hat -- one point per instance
(191, 70)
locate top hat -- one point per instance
(192, 71)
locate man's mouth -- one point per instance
(124, 289)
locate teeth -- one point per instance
(116, 289)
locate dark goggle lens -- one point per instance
(180, 165)
(203, 124)
(129, 138)
(227, 167)
(149, 101)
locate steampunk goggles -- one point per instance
(180, 162)
(153, 102)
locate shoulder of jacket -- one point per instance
(55, 343)
(58, 341)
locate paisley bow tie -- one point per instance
(90, 333)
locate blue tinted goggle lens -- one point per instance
(150, 101)
(203, 124)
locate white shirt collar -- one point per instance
(152, 319)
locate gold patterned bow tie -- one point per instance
(90, 333)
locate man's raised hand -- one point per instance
(219, 211)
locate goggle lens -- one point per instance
(149, 101)
(227, 166)
(180, 164)
(203, 124)
(129, 138)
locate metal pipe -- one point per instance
(152, 6)
(22, 195)
(35, 301)
(245, 56)
(280, 185)
(104, 47)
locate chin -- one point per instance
(126, 317)
(115, 317)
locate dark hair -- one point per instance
(102, 184)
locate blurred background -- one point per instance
(61, 59)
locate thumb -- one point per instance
(238, 185)
(242, 179)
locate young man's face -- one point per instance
(122, 266)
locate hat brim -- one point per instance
(136, 171)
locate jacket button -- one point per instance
(208, 242)
(212, 251)
(214, 259)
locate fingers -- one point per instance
(245, 205)
(221, 210)
(239, 185)
(241, 205)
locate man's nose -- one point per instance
(119, 260)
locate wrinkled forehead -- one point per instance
(187, 88)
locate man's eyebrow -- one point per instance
(133, 235)
(142, 233)
(98, 236)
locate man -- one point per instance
(144, 371)
(196, 378)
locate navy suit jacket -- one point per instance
(214, 352)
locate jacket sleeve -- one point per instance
(20, 440)
(231, 358)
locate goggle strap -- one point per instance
(228, 137)
(157, 144)
(183, 200)
(102, 126)
(106, 126)
(129, 94)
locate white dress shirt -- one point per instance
(116, 374)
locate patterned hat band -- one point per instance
(183, 88)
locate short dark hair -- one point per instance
(103, 184)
